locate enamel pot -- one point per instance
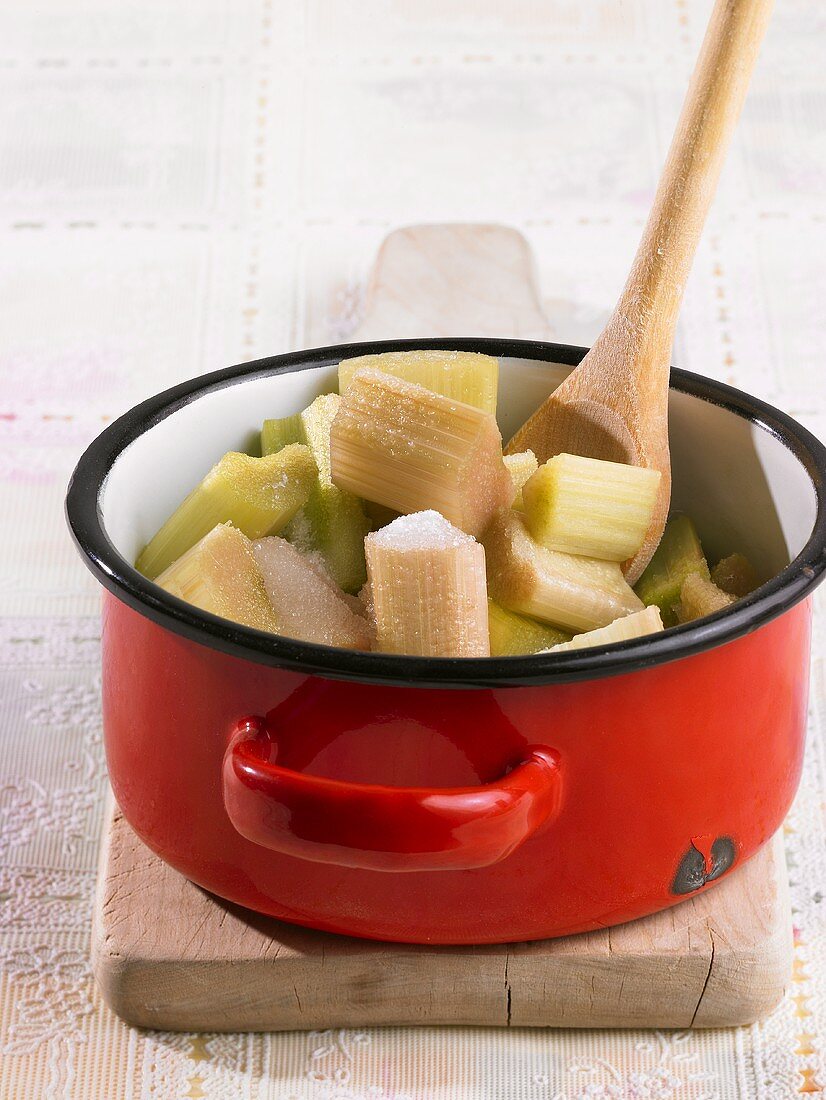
(455, 801)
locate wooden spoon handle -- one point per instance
(646, 314)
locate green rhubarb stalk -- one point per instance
(678, 555)
(512, 635)
(259, 496)
(331, 526)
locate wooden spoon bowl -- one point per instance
(614, 405)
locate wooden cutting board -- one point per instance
(168, 955)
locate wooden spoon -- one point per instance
(614, 406)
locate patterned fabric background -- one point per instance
(192, 183)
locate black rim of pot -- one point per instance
(793, 584)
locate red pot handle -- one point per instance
(382, 828)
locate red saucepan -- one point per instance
(455, 801)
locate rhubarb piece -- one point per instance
(355, 604)
(308, 605)
(621, 630)
(699, 597)
(400, 445)
(571, 592)
(428, 587)
(464, 376)
(678, 555)
(331, 527)
(258, 495)
(220, 575)
(512, 634)
(521, 466)
(365, 598)
(276, 434)
(589, 507)
(735, 575)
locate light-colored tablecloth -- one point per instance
(189, 183)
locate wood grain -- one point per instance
(168, 955)
(615, 404)
(453, 280)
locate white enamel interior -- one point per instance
(743, 487)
